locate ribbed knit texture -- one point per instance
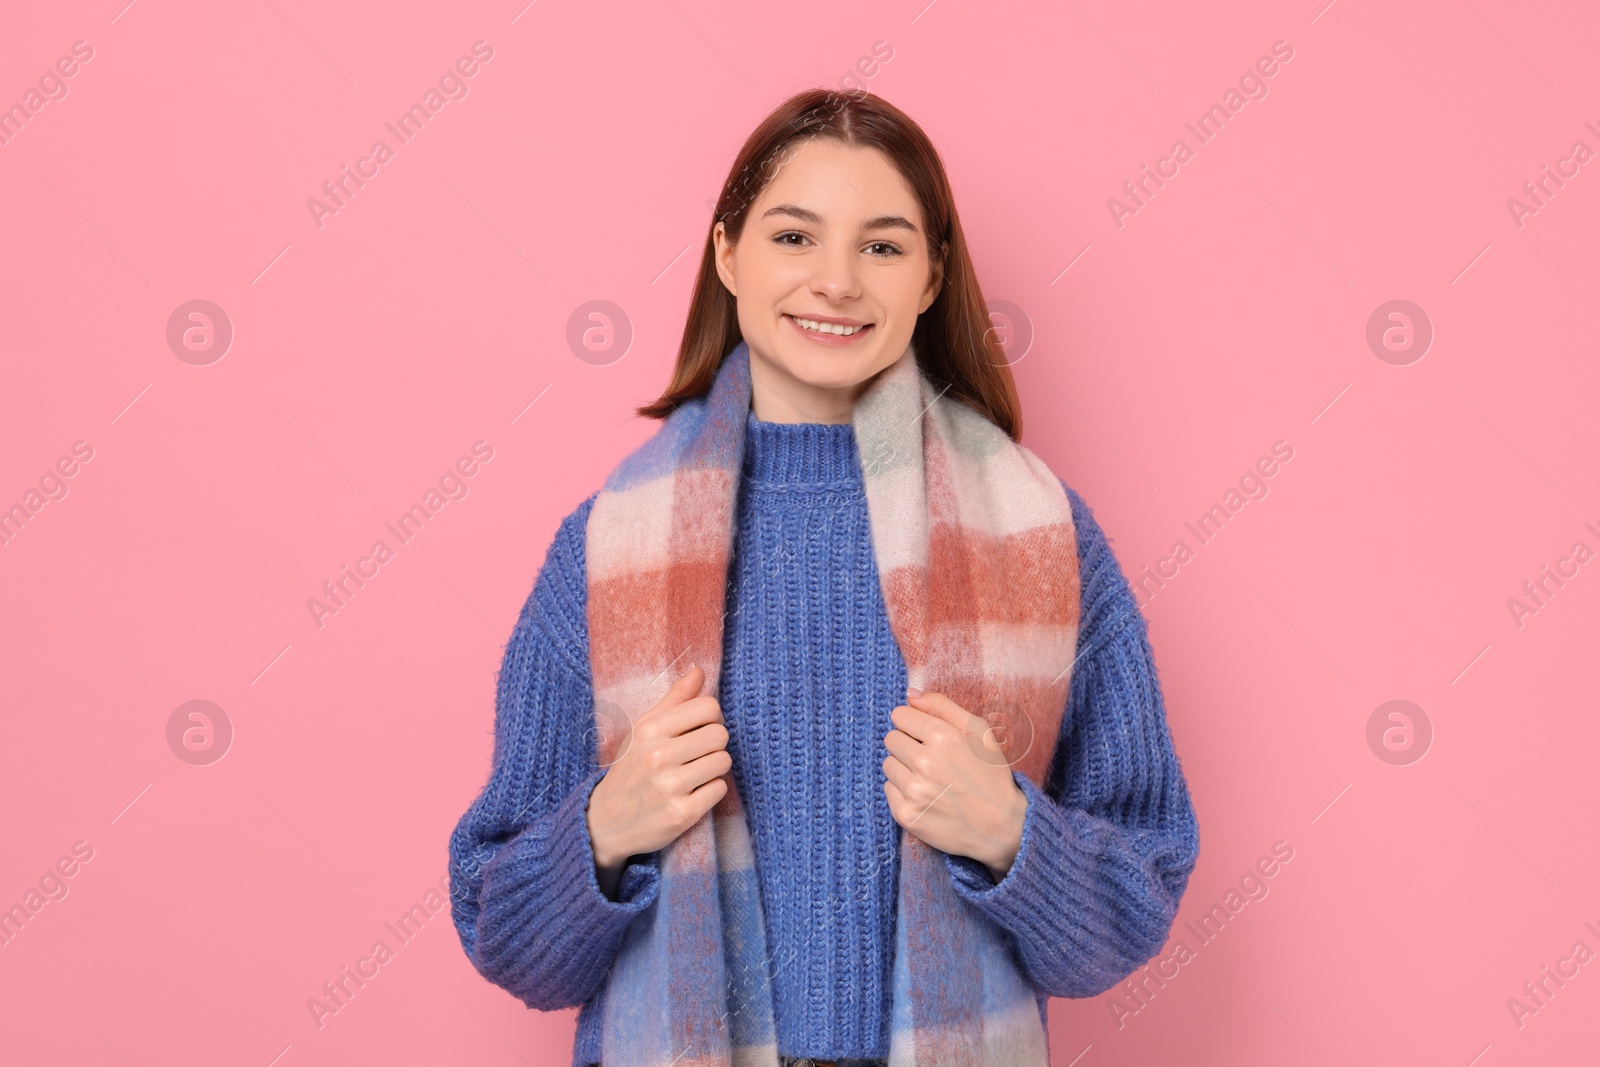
(809, 677)
(811, 672)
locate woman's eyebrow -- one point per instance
(882, 222)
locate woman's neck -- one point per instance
(776, 396)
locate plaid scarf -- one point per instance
(977, 554)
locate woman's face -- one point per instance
(838, 237)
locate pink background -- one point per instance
(432, 311)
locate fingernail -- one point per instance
(912, 694)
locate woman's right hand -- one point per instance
(668, 776)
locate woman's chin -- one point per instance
(831, 368)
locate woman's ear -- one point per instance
(936, 277)
(722, 256)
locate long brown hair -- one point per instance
(953, 338)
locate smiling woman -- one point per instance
(851, 222)
(830, 731)
(829, 280)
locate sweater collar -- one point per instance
(816, 454)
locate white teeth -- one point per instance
(826, 327)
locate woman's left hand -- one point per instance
(942, 790)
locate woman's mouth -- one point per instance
(827, 333)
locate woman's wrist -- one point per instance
(1008, 843)
(607, 868)
(607, 864)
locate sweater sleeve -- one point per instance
(1110, 841)
(525, 898)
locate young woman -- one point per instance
(830, 729)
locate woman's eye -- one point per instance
(877, 249)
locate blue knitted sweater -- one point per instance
(810, 674)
